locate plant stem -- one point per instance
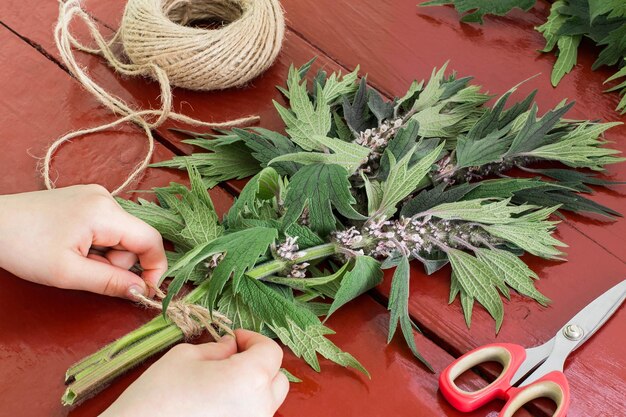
(97, 370)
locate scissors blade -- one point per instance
(588, 320)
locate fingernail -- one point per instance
(136, 291)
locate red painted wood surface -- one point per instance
(395, 43)
(44, 330)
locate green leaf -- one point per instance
(474, 10)
(478, 281)
(567, 57)
(168, 222)
(530, 232)
(382, 109)
(479, 210)
(272, 306)
(241, 252)
(320, 188)
(226, 162)
(552, 26)
(303, 119)
(534, 133)
(508, 187)
(306, 343)
(399, 307)
(290, 377)
(374, 194)
(430, 198)
(356, 112)
(266, 145)
(514, 272)
(232, 306)
(404, 180)
(363, 275)
(581, 147)
(262, 187)
(348, 155)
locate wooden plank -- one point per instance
(44, 330)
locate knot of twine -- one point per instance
(191, 318)
(156, 43)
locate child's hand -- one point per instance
(80, 238)
(210, 380)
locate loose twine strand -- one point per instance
(191, 318)
(157, 44)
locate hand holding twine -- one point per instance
(191, 318)
(157, 44)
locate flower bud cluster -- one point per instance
(448, 174)
(416, 237)
(377, 140)
(290, 251)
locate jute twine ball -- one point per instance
(160, 32)
(160, 39)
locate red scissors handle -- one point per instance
(511, 356)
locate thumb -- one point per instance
(102, 278)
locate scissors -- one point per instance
(548, 380)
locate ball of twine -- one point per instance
(158, 40)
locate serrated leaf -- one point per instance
(508, 187)
(241, 252)
(304, 119)
(263, 186)
(479, 282)
(290, 377)
(430, 198)
(479, 210)
(306, 343)
(364, 274)
(581, 148)
(233, 307)
(167, 222)
(266, 145)
(531, 234)
(534, 133)
(399, 308)
(567, 57)
(474, 10)
(551, 27)
(382, 109)
(226, 162)
(404, 180)
(513, 271)
(320, 188)
(346, 154)
(356, 112)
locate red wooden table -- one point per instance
(44, 330)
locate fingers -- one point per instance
(280, 388)
(120, 258)
(134, 236)
(100, 277)
(214, 351)
(260, 349)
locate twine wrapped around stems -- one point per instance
(157, 44)
(191, 318)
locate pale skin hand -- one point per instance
(49, 237)
(230, 378)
